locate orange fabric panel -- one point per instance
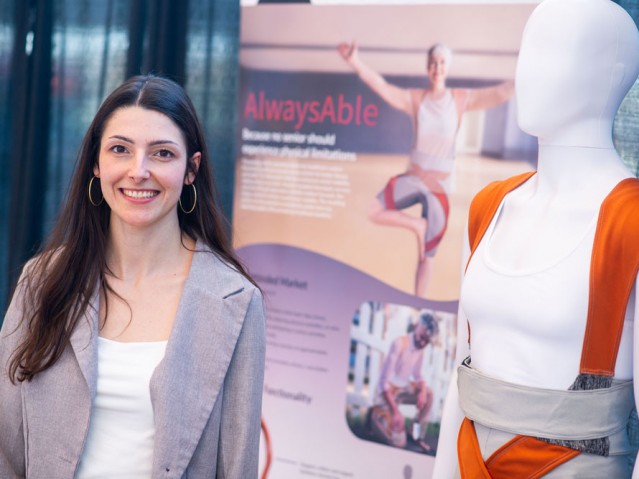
(527, 457)
(522, 457)
(613, 272)
(471, 463)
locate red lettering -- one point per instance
(344, 106)
(328, 110)
(289, 110)
(343, 112)
(314, 116)
(300, 108)
(251, 107)
(371, 112)
(272, 108)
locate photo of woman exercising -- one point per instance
(436, 112)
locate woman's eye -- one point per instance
(118, 149)
(165, 154)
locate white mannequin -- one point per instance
(577, 61)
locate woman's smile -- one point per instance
(139, 194)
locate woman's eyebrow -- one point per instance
(153, 143)
(162, 142)
(121, 137)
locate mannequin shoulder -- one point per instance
(622, 205)
(499, 188)
(485, 204)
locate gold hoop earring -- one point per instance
(194, 201)
(91, 197)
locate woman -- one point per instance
(436, 113)
(134, 343)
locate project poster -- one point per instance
(358, 155)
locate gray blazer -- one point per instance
(206, 392)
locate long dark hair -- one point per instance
(60, 281)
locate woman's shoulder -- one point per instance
(223, 269)
(460, 94)
(38, 266)
(417, 95)
(33, 269)
(461, 97)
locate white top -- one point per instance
(437, 123)
(121, 431)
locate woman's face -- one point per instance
(437, 68)
(142, 166)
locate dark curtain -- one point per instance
(212, 83)
(7, 39)
(29, 96)
(58, 61)
(165, 52)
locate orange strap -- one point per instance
(521, 457)
(485, 204)
(471, 463)
(613, 273)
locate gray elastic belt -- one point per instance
(548, 413)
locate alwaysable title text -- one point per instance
(338, 111)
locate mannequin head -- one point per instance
(577, 61)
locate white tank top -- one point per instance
(514, 313)
(121, 430)
(436, 127)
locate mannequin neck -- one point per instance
(579, 169)
(588, 133)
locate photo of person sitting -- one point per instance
(401, 382)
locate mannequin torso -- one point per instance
(549, 219)
(569, 84)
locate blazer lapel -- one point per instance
(188, 380)
(84, 342)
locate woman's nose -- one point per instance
(139, 170)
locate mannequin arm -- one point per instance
(452, 416)
(483, 98)
(395, 96)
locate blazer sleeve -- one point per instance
(238, 451)
(12, 440)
